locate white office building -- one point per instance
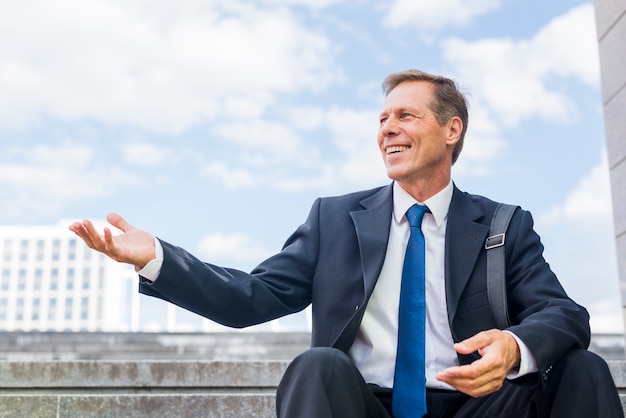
(51, 281)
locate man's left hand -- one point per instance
(500, 354)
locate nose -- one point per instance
(389, 127)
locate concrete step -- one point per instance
(139, 388)
(104, 388)
(158, 346)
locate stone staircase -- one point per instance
(101, 388)
(156, 375)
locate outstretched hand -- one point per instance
(133, 246)
(500, 354)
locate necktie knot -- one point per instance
(415, 214)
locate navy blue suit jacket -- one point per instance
(333, 260)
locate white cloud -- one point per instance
(580, 246)
(589, 202)
(354, 135)
(42, 179)
(289, 156)
(161, 66)
(144, 154)
(232, 249)
(483, 143)
(311, 4)
(435, 15)
(231, 177)
(514, 79)
(263, 143)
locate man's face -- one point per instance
(414, 147)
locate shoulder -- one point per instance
(481, 208)
(355, 198)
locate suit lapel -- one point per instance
(465, 238)
(372, 230)
(371, 225)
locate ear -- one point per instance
(455, 127)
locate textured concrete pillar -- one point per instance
(611, 24)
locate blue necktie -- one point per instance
(409, 388)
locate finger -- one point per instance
(476, 342)
(471, 379)
(118, 222)
(79, 229)
(92, 235)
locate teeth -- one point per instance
(392, 150)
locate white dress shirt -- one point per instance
(374, 350)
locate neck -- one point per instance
(425, 189)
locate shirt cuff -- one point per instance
(527, 363)
(152, 270)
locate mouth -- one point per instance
(396, 149)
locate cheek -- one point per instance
(379, 142)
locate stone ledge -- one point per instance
(140, 374)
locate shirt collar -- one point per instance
(437, 204)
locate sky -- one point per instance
(215, 124)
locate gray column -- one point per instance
(611, 24)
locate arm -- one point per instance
(546, 322)
(281, 285)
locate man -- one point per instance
(347, 260)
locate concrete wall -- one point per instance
(611, 25)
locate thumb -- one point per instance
(118, 222)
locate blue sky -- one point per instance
(215, 124)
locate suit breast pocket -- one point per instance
(474, 304)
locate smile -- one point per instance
(396, 149)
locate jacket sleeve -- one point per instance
(278, 286)
(544, 317)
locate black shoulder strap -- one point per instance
(496, 264)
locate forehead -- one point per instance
(409, 94)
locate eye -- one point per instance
(406, 115)
(383, 120)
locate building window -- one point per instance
(38, 279)
(54, 279)
(68, 308)
(19, 309)
(84, 308)
(4, 280)
(3, 309)
(71, 252)
(70, 279)
(7, 250)
(36, 309)
(56, 249)
(23, 250)
(52, 309)
(21, 280)
(40, 250)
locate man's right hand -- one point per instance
(133, 246)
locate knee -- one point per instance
(585, 366)
(316, 367)
(320, 360)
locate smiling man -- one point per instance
(397, 280)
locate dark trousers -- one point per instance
(324, 383)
